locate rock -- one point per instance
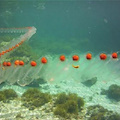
(90, 82)
(36, 82)
(114, 92)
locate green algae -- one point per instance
(7, 94)
(68, 105)
(35, 98)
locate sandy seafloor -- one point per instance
(67, 79)
(68, 86)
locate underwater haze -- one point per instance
(59, 60)
(66, 26)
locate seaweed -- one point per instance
(35, 98)
(10, 93)
(2, 96)
(60, 111)
(115, 116)
(61, 98)
(98, 112)
(68, 105)
(7, 94)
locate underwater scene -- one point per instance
(59, 60)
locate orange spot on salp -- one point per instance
(89, 56)
(103, 56)
(16, 62)
(29, 27)
(11, 48)
(17, 45)
(33, 63)
(21, 63)
(2, 53)
(22, 41)
(62, 58)
(114, 55)
(8, 63)
(44, 60)
(4, 63)
(6, 51)
(75, 57)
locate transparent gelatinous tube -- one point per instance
(28, 32)
(9, 74)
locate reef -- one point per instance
(68, 105)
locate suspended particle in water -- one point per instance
(75, 66)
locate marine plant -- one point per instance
(60, 111)
(35, 98)
(67, 105)
(7, 94)
(115, 116)
(2, 97)
(61, 98)
(10, 93)
(97, 112)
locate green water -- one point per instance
(63, 27)
(66, 26)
